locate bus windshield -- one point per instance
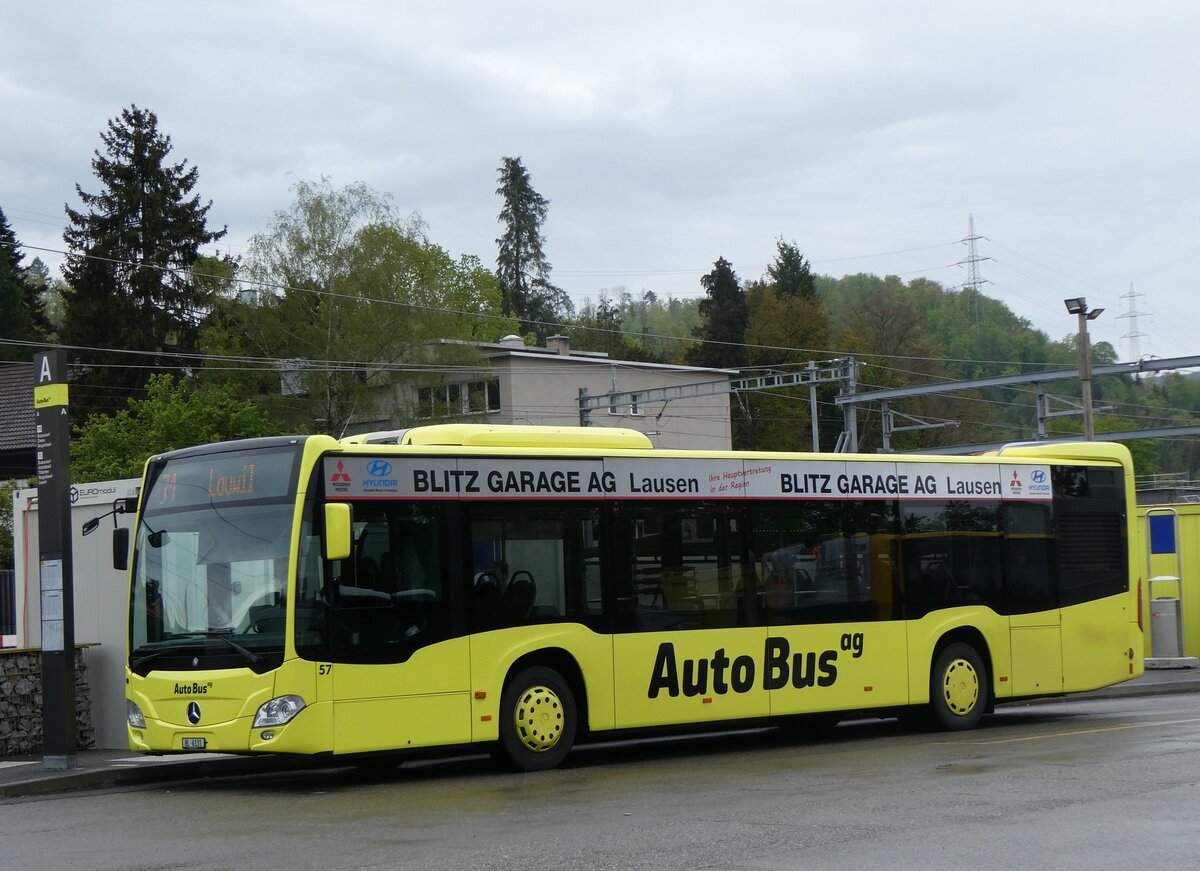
(211, 561)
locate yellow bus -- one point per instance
(523, 588)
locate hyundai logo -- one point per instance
(193, 713)
(1039, 476)
(379, 468)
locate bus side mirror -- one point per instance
(120, 549)
(337, 531)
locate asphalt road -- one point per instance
(1085, 784)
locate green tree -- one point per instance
(783, 333)
(660, 328)
(173, 415)
(598, 327)
(7, 488)
(131, 251)
(50, 292)
(521, 264)
(791, 274)
(724, 314)
(21, 315)
(351, 297)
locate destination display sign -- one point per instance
(237, 476)
(676, 478)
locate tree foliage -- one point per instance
(353, 297)
(7, 488)
(660, 328)
(50, 291)
(22, 315)
(521, 265)
(791, 274)
(724, 314)
(599, 327)
(131, 249)
(783, 333)
(172, 416)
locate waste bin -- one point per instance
(1164, 628)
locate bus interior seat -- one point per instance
(366, 573)
(485, 598)
(516, 601)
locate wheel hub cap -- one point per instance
(961, 687)
(539, 718)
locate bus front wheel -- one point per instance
(537, 719)
(958, 687)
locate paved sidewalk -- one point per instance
(102, 769)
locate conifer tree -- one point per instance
(521, 265)
(791, 273)
(131, 249)
(724, 314)
(21, 316)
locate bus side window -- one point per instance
(533, 563)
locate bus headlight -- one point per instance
(278, 712)
(134, 715)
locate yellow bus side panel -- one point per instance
(925, 634)
(401, 722)
(493, 655)
(423, 702)
(689, 676)
(868, 661)
(1096, 643)
(1037, 666)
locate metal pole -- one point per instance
(1043, 407)
(812, 405)
(59, 727)
(850, 413)
(1085, 375)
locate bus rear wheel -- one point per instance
(958, 687)
(537, 719)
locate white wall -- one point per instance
(100, 595)
(544, 389)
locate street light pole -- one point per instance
(1078, 306)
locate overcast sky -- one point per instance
(666, 135)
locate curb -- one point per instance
(50, 783)
(1118, 691)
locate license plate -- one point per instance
(193, 743)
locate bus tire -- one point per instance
(538, 719)
(958, 687)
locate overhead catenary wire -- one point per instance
(276, 287)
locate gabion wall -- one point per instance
(21, 702)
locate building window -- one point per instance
(458, 399)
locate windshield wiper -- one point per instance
(141, 660)
(223, 635)
(211, 634)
